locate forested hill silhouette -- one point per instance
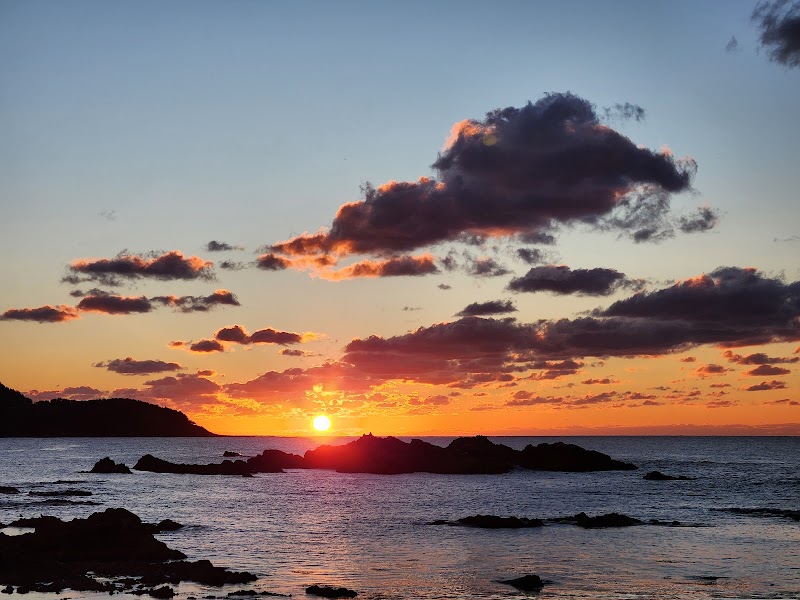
(112, 417)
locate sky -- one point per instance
(506, 218)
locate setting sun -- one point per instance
(322, 423)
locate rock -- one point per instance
(106, 465)
(59, 493)
(493, 522)
(92, 554)
(6, 489)
(600, 521)
(275, 461)
(230, 454)
(162, 526)
(326, 591)
(252, 593)
(156, 465)
(569, 458)
(162, 592)
(659, 476)
(473, 455)
(8, 590)
(526, 583)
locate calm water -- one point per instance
(369, 532)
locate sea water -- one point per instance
(371, 533)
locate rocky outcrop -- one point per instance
(326, 591)
(275, 461)
(230, 454)
(473, 455)
(600, 521)
(106, 465)
(659, 476)
(526, 583)
(493, 522)
(157, 465)
(110, 551)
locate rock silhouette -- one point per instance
(526, 583)
(600, 521)
(156, 465)
(106, 465)
(112, 417)
(326, 591)
(83, 553)
(493, 522)
(61, 493)
(7, 489)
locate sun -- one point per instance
(322, 423)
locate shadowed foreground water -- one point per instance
(369, 532)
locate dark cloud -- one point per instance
(41, 314)
(532, 256)
(603, 381)
(444, 286)
(272, 262)
(81, 392)
(186, 389)
(710, 370)
(779, 25)
(732, 45)
(492, 307)
(560, 279)
(689, 359)
(206, 346)
(785, 401)
(486, 267)
(396, 266)
(553, 369)
(130, 366)
(767, 371)
(706, 218)
(231, 265)
(765, 386)
(198, 303)
(537, 237)
(165, 266)
(624, 112)
(519, 171)
(236, 334)
(114, 304)
(411, 308)
(294, 352)
(215, 246)
(759, 358)
(525, 398)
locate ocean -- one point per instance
(371, 533)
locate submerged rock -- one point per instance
(600, 521)
(162, 526)
(659, 476)
(7, 489)
(106, 465)
(60, 493)
(326, 591)
(493, 522)
(157, 465)
(108, 551)
(526, 583)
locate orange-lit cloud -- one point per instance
(43, 314)
(165, 266)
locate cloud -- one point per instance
(779, 27)
(732, 45)
(396, 266)
(759, 358)
(199, 303)
(238, 335)
(603, 381)
(767, 371)
(706, 218)
(532, 256)
(766, 386)
(81, 392)
(689, 359)
(710, 370)
(526, 398)
(165, 266)
(206, 346)
(130, 366)
(438, 400)
(272, 262)
(444, 286)
(183, 388)
(295, 352)
(784, 401)
(518, 172)
(486, 267)
(231, 265)
(492, 307)
(562, 280)
(43, 314)
(113, 304)
(215, 246)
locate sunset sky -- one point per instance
(511, 218)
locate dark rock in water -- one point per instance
(252, 593)
(794, 515)
(6, 489)
(230, 454)
(60, 493)
(8, 590)
(493, 522)
(162, 526)
(569, 458)
(92, 554)
(526, 583)
(330, 592)
(600, 521)
(275, 461)
(106, 465)
(162, 592)
(473, 455)
(659, 476)
(157, 465)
